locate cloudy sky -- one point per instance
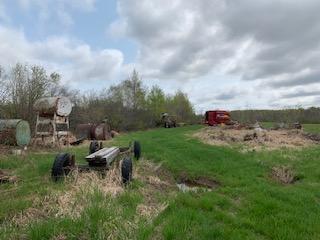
(223, 53)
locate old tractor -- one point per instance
(168, 121)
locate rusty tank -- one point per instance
(61, 106)
(93, 131)
(15, 132)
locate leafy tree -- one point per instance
(127, 105)
(180, 106)
(156, 102)
(23, 86)
(133, 92)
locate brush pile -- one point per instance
(255, 138)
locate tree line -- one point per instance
(129, 105)
(309, 115)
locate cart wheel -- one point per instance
(61, 161)
(126, 170)
(94, 147)
(136, 150)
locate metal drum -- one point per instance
(49, 106)
(15, 132)
(101, 132)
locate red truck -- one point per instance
(215, 117)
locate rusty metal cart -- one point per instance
(99, 159)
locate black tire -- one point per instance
(126, 170)
(136, 150)
(60, 163)
(94, 147)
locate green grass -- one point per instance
(249, 204)
(312, 128)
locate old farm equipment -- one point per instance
(213, 118)
(53, 118)
(168, 121)
(15, 132)
(99, 159)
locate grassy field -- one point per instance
(248, 204)
(312, 128)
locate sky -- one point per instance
(223, 54)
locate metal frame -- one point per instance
(52, 122)
(109, 155)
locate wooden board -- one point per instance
(108, 154)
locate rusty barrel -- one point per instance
(93, 131)
(49, 106)
(14, 132)
(84, 130)
(101, 132)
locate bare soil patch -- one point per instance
(254, 139)
(186, 184)
(201, 182)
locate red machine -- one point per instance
(217, 117)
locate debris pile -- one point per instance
(284, 174)
(6, 177)
(254, 137)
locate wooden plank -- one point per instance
(62, 133)
(44, 121)
(111, 156)
(43, 133)
(107, 154)
(102, 152)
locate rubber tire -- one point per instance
(62, 160)
(94, 147)
(136, 150)
(126, 170)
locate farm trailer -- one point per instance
(99, 159)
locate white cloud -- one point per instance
(75, 60)
(60, 9)
(268, 45)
